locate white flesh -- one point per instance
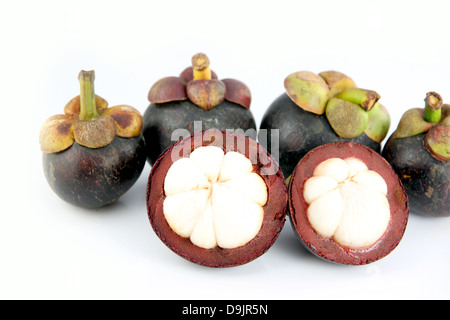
(215, 199)
(347, 202)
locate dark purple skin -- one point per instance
(93, 178)
(161, 119)
(426, 180)
(299, 132)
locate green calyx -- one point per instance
(350, 111)
(355, 111)
(412, 123)
(434, 120)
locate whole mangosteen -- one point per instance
(195, 101)
(217, 198)
(419, 151)
(347, 204)
(92, 154)
(320, 109)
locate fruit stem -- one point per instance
(366, 99)
(200, 66)
(433, 104)
(88, 109)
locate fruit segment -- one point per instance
(240, 184)
(182, 210)
(234, 165)
(214, 198)
(183, 176)
(200, 85)
(347, 202)
(335, 168)
(317, 186)
(325, 213)
(237, 219)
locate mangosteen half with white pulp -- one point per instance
(347, 204)
(217, 199)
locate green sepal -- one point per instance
(379, 123)
(307, 90)
(437, 142)
(347, 119)
(411, 124)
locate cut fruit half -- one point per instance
(347, 204)
(214, 205)
(211, 209)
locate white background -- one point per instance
(52, 250)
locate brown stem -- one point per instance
(200, 66)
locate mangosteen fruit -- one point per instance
(195, 101)
(319, 109)
(347, 204)
(419, 151)
(92, 154)
(217, 198)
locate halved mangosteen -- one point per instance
(217, 199)
(346, 203)
(194, 101)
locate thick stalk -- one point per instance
(200, 66)
(88, 109)
(433, 104)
